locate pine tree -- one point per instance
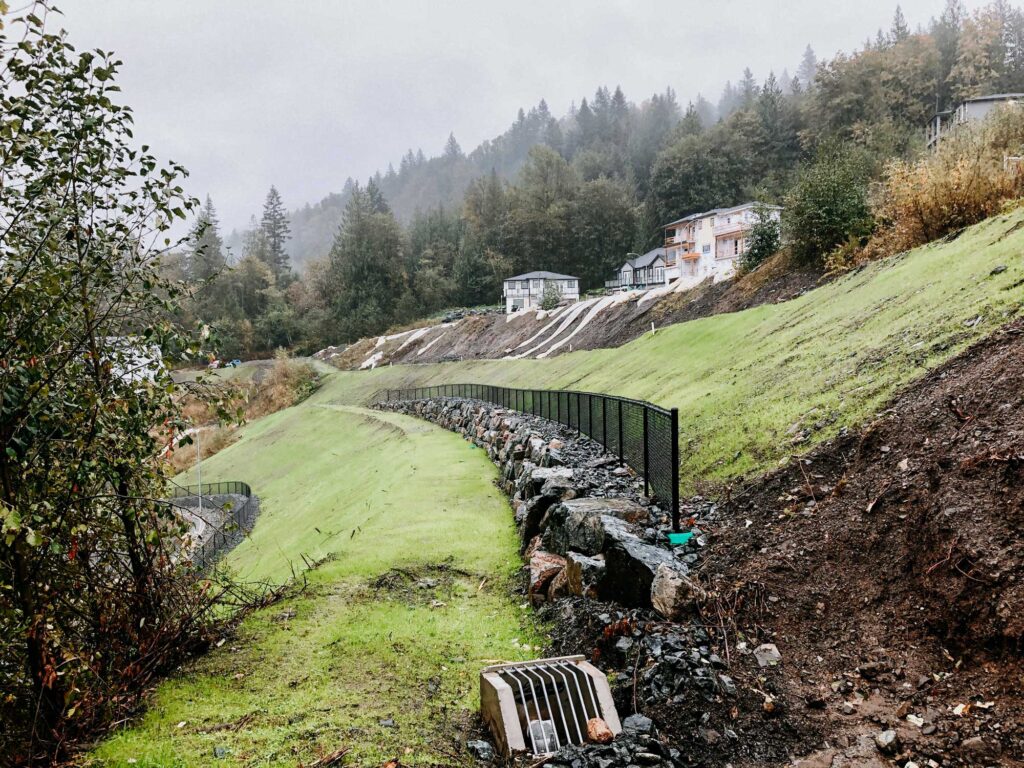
(808, 69)
(899, 31)
(274, 225)
(452, 150)
(375, 198)
(207, 257)
(748, 88)
(691, 124)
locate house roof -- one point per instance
(646, 260)
(716, 211)
(973, 99)
(541, 275)
(996, 97)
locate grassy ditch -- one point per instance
(381, 652)
(755, 386)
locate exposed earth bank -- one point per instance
(601, 322)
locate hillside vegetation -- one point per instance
(393, 625)
(754, 386)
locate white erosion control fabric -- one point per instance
(575, 311)
(431, 343)
(372, 360)
(657, 293)
(601, 305)
(416, 335)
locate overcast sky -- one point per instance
(303, 94)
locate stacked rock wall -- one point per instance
(585, 526)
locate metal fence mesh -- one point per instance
(240, 518)
(643, 435)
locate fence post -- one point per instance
(647, 462)
(621, 453)
(675, 470)
(579, 424)
(604, 422)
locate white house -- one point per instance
(968, 111)
(710, 244)
(527, 291)
(641, 271)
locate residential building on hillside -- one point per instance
(526, 291)
(968, 111)
(640, 271)
(710, 244)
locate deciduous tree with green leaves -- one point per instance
(92, 604)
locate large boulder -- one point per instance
(673, 593)
(544, 566)
(587, 525)
(630, 568)
(542, 475)
(529, 515)
(559, 488)
(583, 573)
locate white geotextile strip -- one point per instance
(602, 305)
(372, 360)
(417, 335)
(577, 310)
(431, 343)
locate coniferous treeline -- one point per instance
(576, 194)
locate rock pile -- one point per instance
(600, 567)
(585, 526)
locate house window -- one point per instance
(659, 275)
(736, 247)
(537, 285)
(706, 249)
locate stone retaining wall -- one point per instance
(585, 526)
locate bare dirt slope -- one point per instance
(888, 568)
(594, 323)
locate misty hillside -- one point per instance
(608, 136)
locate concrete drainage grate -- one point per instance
(541, 706)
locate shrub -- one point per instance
(965, 181)
(828, 204)
(551, 298)
(764, 240)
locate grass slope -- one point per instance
(752, 385)
(395, 626)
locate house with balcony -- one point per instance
(968, 111)
(640, 272)
(709, 245)
(526, 291)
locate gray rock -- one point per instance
(767, 655)
(583, 573)
(638, 725)
(887, 742)
(559, 488)
(673, 593)
(481, 750)
(568, 527)
(630, 567)
(530, 514)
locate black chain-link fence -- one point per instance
(643, 435)
(236, 519)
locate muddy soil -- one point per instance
(493, 336)
(888, 568)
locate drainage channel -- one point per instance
(540, 706)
